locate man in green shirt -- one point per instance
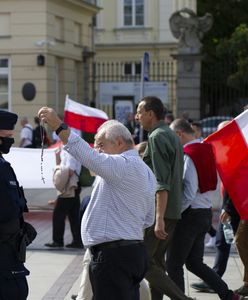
(164, 155)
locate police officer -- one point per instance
(13, 283)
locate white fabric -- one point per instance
(191, 195)
(27, 135)
(67, 161)
(27, 165)
(122, 203)
(80, 109)
(242, 122)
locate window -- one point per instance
(133, 12)
(59, 28)
(77, 34)
(4, 83)
(4, 24)
(132, 69)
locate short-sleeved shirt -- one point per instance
(164, 155)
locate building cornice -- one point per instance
(86, 5)
(135, 46)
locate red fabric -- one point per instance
(88, 124)
(231, 154)
(203, 158)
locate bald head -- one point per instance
(223, 124)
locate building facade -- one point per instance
(124, 31)
(45, 48)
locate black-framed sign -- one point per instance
(122, 106)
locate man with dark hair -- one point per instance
(164, 155)
(199, 185)
(196, 126)
(13, 283)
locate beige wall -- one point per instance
(116, 43)
(31, 22)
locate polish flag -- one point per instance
(83, 117)
(230, 145)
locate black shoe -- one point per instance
(54, 245)
(75, 245)
(243, 290)
(74, 297)
(202, 287)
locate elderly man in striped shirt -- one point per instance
(121, 207)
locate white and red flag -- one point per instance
(83, 117)
(230, 146)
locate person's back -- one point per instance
(26, 134)
(199, 185)
(39, 135)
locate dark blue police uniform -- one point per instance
(13, 283)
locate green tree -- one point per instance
(236, 48)
(227, 14)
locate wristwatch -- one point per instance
(62, 126)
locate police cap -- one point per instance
(7, 120)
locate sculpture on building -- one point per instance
(186, 26)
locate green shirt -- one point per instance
(164, 155)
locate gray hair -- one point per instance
(113, 129)
(181, 125)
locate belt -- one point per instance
(114, 244)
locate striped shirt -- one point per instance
(122, 202)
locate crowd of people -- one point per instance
(149, 211)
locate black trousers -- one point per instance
(222, 248)
(187, 247)
(115, 273)
(66, 207)
(15, 288)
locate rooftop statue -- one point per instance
(186, 26)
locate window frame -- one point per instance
(6, 71)
(134, 65)
(133, 14)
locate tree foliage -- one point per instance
(227, 41)
(228, 15)
(236, 48)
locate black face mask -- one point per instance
(6, 144)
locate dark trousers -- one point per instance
(212, 231)
(187, 247)
(115, 273)
(160, 284)
(66, 207)
(15, 288)
(222, 248)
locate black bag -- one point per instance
(29, 232)
(27, 235)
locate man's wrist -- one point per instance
(62, 126)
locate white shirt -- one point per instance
(122, 202)
(68, 161)
(191, 195)
(27, 135)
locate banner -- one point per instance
(26, 163)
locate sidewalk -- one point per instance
(55, 274)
